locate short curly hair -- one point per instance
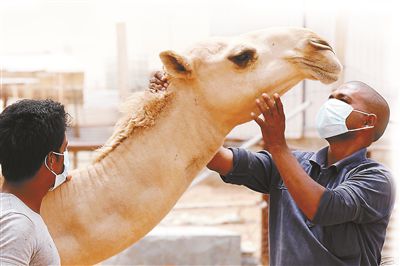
(29, 130)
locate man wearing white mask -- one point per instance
(330, 207)
(34, 159)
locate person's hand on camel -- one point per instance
(158, 82)
(273, 122)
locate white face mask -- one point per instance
(60, 178)
(331, 118)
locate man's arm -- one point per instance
(365, 197)
(305, 191)
(254, 170)
(222, 162)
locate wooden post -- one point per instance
(122, 61)
(265, 230)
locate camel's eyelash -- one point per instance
(243, 58)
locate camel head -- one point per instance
(228, 74)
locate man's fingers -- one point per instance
(157, 88)
(263, 107)
(160, 78)
(268, 102)
(159, 75)
(154, 86)
(278, 103)
(258, 120)
(154, 80)
(69, 177)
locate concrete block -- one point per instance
(184, 245)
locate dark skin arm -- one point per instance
(305, 191)
(222, 162)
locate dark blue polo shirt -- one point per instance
(350, 224)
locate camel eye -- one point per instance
(243, 58)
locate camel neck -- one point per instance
(184, 128)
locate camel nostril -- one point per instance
(320, 44)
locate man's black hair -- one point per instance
(29, 130)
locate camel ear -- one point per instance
(176, 65)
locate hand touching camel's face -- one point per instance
(229, 73)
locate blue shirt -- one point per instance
(349, 227)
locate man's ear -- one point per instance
(176, 65)
(50, 159)
(371, 120)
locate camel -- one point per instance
(164, 139)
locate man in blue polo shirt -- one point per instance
(331, 207)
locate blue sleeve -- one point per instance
(365, 197)
(251, 169)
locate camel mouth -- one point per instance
(326, 71)
(325, 74)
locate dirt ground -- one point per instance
(230, 207)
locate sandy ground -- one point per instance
(230, 207)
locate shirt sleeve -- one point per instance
(17, 234)
(251, 169)
(365, 197)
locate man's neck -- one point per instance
(29, 195)
(341, 149)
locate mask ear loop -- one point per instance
(362, 112)
(365, 127)
(62, 154)
(45, 163)
(361, 128)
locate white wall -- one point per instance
(371, 53)
(86, 30)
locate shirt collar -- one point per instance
(320, 158)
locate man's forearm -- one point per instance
(222, 162)
(305, 191)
